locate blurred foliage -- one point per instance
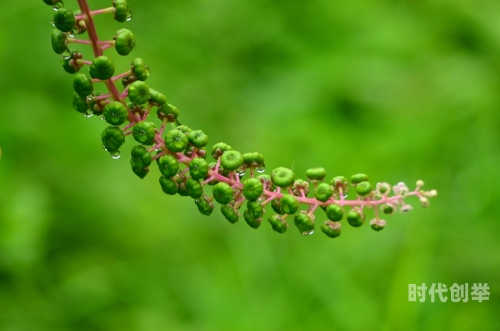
(401, 90)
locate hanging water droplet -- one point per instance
(73, 33)
(90, 97)
(261, 169)
(88, 113)
(241, 173)
(58, 5)
(102, 118)
(129, 15)
(308, 233)
(115, 155)
(104, 147)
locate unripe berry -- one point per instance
(168, 165)
(278, 224)
(231, 160)
(334, 212)
(282, 177)
(276, 205)
(304, 222)
(316, 173)
(144, 132)
(223, 193)
(122, 10)
(289, 204)
(198, 168)
(140, 157)
(115, 113)
(58, 41)
(363, 188)
(176, 140)
(253, 222)
(112, 138)
(102, 68)
(229, 213)
(140, 69)
(205, 207)
(219, 149)
(157, 98)
(253, 159)
(138, 93)
(124, 41)
(197, 138)
(324, 192)
(80, 103)
(377, 224)
(194, 188)
(355, 218)
(64, 19)
(331, 229)
(82, 84)
(252, 189)
(168, 111)
(358, 178)
(168, 185)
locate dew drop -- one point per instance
(88, 114)
(53, 23)
(115, 155)
(261, 169)
(104, 147)
(73, 34)
(129, 16)
(241, 173)
(308, 233)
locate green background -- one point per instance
(400, 90)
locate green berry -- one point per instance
(253, 222)
(140, 172)
(182, 187)
(358, 178)
(124, 41)
(197, 138)
(231, 160)
(334, 212)
(168, 185)
(378, 224)
(278, 224)
(176, 140)
(122, 10)
(289, 204)
(363, 188)
(112, 138)
(54, 3)
(252, 189)
(102, 68)
(140, 157)
(324, 192)
(331, 229)
(205, 207)
(139, 69)
(168, 165)
(219, 149)
(169, 112)
(58, 39)
(144, 132)
(276, 205)
(138, 92)
(194, 188)
(223, 193)
(115, 113)
(316, 173)
(198, 168)
(255, 209)
(69, 61)
(229, 213)
(157, 98)
(355, 218)
(64, 19)
(80, 103)
(388, 209)
(340, 183)
(82, 84)
(282, 177)
(304, 223)
(253, 159)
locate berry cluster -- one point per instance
(181, 153)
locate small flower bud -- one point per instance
(424, 202)
(289, 204)
(176, 141)
(334, 212)
(378, 224)
(198, 168)
(64, 19)
(401, 189)
(324, 192)
(252, 189)
(300, 185)
(140, 69)
(340, 183)
(278, 224)
(168, 185)
(358, 178)
(229, 213)
(124, 41)
(420, 183)
(168, 165)
(382, 189)
(138, 93)
(231, 160)
(282, 177)
(144, 132)
(331, 229)
(194, 188)
(405, 208)
(102, 68)
(223, 193)
(316, 173)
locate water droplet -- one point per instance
(129, 15)
(58, 5)
(241, 173)
(73, 33)
(308, 233)
(90, 97)
(104, 147)
(115, 155)
(88, 114)
(53, 23)
(261, 169)
(102, 118)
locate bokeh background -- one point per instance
(400, 90)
